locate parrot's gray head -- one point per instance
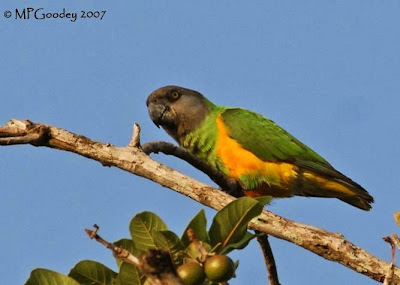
(178, 110)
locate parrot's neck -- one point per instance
(201, 141)
(190, 118)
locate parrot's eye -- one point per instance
(175, 95)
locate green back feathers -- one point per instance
(266, 139)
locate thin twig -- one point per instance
(155, 264)
(268, 258)
(119, 252)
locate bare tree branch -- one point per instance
(331, 246)
(268, 258)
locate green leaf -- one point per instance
(240, 244)
(264, 200)
(92, 272)
(230, 224)
(141, 228)
(128, 245)
(170, 242)
(397, 218)
(199, 226)
(129, 275)
(47, 277)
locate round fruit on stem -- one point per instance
(219, 268)
(191, 273)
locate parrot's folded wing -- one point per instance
(265, 139)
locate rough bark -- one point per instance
(331, 246)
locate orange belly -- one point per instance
(239, 162)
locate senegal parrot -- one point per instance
(260, 155)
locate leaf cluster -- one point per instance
(228, 231)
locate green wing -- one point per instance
(267, 140)
(270, 142)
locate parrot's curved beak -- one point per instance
(156, 112)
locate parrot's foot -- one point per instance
(234, 188)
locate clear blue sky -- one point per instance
(327, 71)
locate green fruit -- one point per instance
(191, 273)
(219, 268)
